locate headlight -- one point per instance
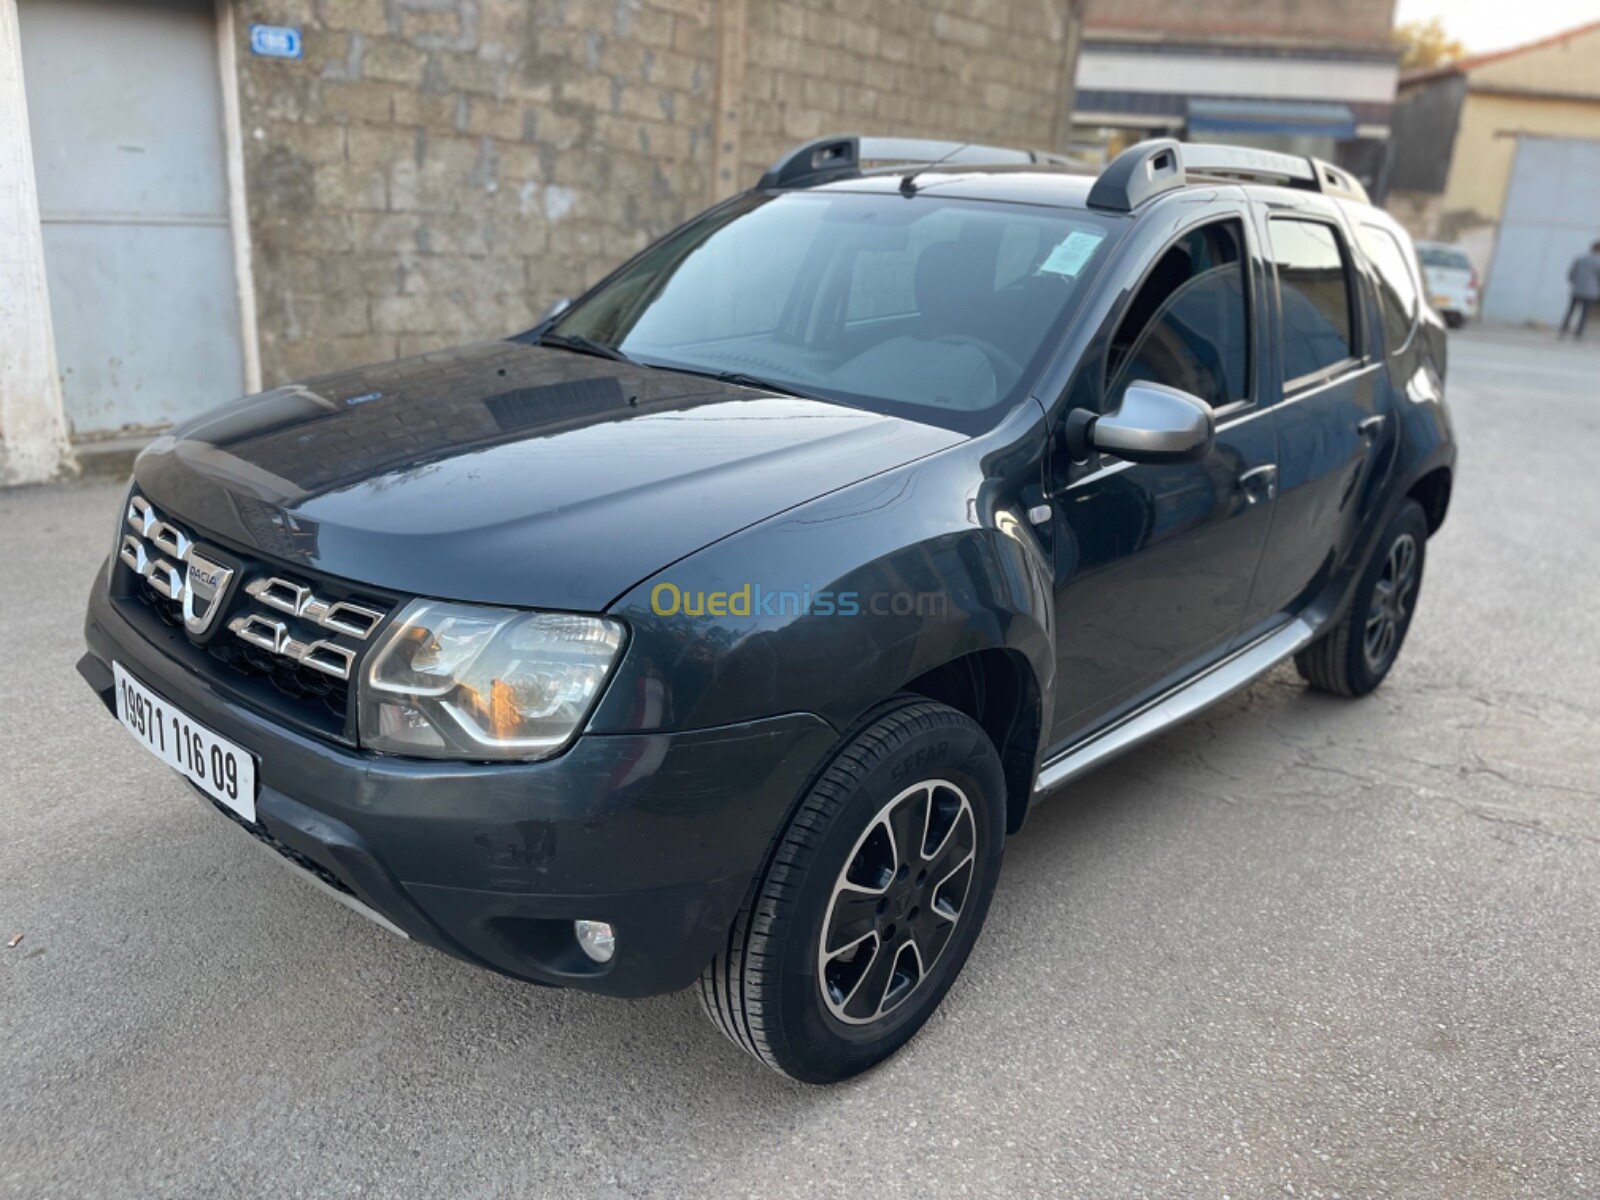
(459, 681)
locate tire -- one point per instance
(1353, 657)
(915, 766)
(1454, 320)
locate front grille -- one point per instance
(273, 633)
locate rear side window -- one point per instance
(1314, 288)
(1189, 324)
(1397, 287)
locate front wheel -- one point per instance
(872, 901)
(1353, 657)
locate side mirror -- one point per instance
(556, 309)
(1153, 424)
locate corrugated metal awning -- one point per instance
(1270, 116)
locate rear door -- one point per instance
(1330, 415)
(1154, 561)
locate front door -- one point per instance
(1154, 563)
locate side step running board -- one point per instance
(1220, 681)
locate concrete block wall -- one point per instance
(438, 171)
(996, 71)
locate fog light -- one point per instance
(597, 939)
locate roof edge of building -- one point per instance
(1474, 61)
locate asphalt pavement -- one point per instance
(1300, 946)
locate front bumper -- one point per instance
(659, 834)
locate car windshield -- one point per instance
(1443, 256)
(938, 309)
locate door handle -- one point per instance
(1260, 483)
(1371, 427)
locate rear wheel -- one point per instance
(1353, 657)
(872, 901)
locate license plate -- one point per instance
(225, 772)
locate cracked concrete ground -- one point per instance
(1299, 946)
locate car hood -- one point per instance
(510, 473)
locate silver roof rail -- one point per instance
(1162, 164)
(842, 157)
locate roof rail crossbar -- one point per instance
(1161, 164)
(843, 157)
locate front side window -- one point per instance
(939, 309)
(1397, 288)
(1189, 324)
(1314, 294)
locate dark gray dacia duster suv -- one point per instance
(720, 629)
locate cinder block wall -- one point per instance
(434, 171)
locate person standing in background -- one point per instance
(1584, 276)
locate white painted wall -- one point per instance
(33, 429)
(1223, 75)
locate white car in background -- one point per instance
(1452, 281)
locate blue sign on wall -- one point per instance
(275, 41)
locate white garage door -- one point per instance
(1552, 215)
(125, 116)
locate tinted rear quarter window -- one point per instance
(1314, 289)
(1397, 288)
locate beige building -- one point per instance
(1501, 153)
(203, 197)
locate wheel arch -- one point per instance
(1432, 492)
(998, 689)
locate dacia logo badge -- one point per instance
(205, 584)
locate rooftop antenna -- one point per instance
(908, 185)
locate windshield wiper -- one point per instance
(753, 381)
(740, 378)
(583, 345)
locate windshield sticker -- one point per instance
(1070, 254)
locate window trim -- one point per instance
(1247, 251)
(1357, 358)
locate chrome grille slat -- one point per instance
(169, 539)
(321, 655)
(132, 552)
(329, 658)
(138, 513)
(298, 600)
(258, 631)
(163, 576)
